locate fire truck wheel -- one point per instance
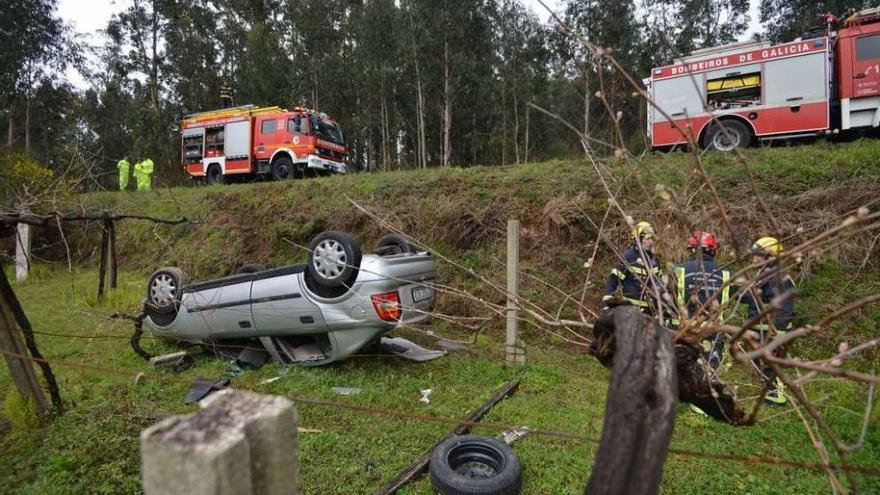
(282, 168)
(214, 175)
(737, 136)
(334, 259)
(299, 170)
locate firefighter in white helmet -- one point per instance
(771, 282)
(633, 279)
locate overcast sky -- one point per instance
(88, 20)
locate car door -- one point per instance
(866, 66)
(220, 308)
(280, 308)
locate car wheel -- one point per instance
(282, 168)
(390, 244)
(737, 135)
(475, 464)
(164, 290)
(214, 175)
(334, 259)
(252, 268)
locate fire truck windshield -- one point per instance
(327, 130)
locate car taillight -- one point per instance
(387, 306)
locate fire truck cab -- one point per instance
(261, 141)
(732, 96)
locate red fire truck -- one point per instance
(815, 85)
(248, 140)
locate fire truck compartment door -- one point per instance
(679, 97)
(194, 131)
(796, 80)
(238, 139)
(866, 66)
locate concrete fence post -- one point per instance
(515, 352)
(239, 443)
(22, 251)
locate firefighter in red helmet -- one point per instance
(701, 287)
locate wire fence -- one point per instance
(427, 418)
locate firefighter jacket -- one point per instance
(631, 278)
(700, 280)
(772, 281)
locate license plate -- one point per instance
(421, 293)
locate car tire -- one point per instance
(334, 259)
(164, 289)
(214, 175)
(282, 168)
(252, 268)
(737, 136)
(390, 244)
(475, 465)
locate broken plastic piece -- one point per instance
(346, 390)
(408, 350)
(202, 387)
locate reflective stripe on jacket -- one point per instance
(631, 278)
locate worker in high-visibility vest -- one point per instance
(144, 174)
(772, 282)
(124, 172)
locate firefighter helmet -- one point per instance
(703, 240)
(643, 230)
(767, 246)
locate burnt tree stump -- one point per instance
(641, 405)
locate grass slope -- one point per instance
(93, 448)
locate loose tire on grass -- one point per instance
(475, 465)
(390, 244)
(334, 259)
(164, 290)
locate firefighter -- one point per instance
(771, 281)
(635, 275)
(701, 285)
(143, 172)
(124, 173)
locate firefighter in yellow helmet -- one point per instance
(633, 279)
(143, 172)
(124, 173)
(770, 282)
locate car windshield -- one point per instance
(327, 130)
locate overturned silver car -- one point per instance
(315, 313)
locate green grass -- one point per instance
(93, 448)
(460, 213)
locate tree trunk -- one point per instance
(154, 67)
(515, 127)
(447, 105)
(587, 97)
(641, 405)
(383, 116)
(10, 132)
(27, 125)
(503, 127)
(526, 149)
